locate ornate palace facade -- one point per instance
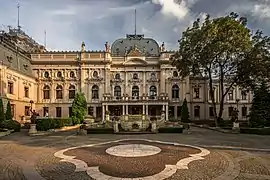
(133, 76)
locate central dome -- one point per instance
(147, 46)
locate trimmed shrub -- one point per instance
(11, 125)
(99, 130)
(258, 131)
(52, 123)
(170, 130)
(8, 112)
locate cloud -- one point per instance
(69, 22)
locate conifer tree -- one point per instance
(8, 112)
(2, 114)
(185, 112)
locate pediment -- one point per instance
(135, 61)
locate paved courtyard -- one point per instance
(200, 154)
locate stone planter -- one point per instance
(154, 127)
(115, 127)
(33, 129)
(235, 125)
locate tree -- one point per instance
(224, 49)
(9, 112)
(185, 112)
(79, 108)
(260, 109)
(2, 113)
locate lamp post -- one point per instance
(32, 129)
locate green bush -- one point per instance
(2, 113)
(52, 123)
(11, 125)
(170, 130)
(8, 112)
(259, 131)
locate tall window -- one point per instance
(211, 111)
(10, 87)
(95, 92)
(72, 74)
(135, 92)
(197, 92)
(58, 111)
(12, 109)
(175, 91)
(197, 111)
(90, 110)
(230, 95)
(26, 92)
(26, 110)
(153, 75)
(117, 92)
(69, 111)
(214, 91)
(95, 74)
(46, 74)
(46, 92)
(244, 111)
(71, 92)
(153, 92)
(230, 109)
(59, 92)
(244, 95)
(45, 111)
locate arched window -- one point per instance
(175, 74)
(46, 92)
(59, 92)
(59, 74)
(71, 92)
(135, 76)
(95, 92)
(46, 74)
(117, 92)
(135, 92)
(153, 75)
(95, 74)
(117, 76)
(175, 91)
(153, 92)
(72, 74)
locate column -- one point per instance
(146, 112)
(167, 113)
(103, 113)
(123, 109)
(163, 108)
(144, 87)
(126, 109)
(175, 112)
(143, 109)
(95, 111)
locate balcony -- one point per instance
(134, 98)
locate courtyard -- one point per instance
(199, 154)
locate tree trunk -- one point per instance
(213, 98)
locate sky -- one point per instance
(69, 22)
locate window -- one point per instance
(175, 74)
(59, 74)
(46, 92)
(153, 75)
(26, 92)
(230, 95)
(58, 112)
(153, 92)
(135, 76)
(59, 92)
(95, 92)
(72, 74)
(117, 76)
(26, 110)
(211, 111)
(45, 111)
(244, 95)
(117, 92)
(230, 111)
(69, 111)
(90, 111)
(197, 111)
(135, 92)
(197, 92)
(175, 91)
(244, 111)
(46, 74)
(214, 91)
(12, 109)
(71, 92)
(10, 87)
(95, 74)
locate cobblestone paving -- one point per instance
(23, 157)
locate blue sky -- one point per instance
(69, 22)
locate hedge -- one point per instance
(11, 125)
(99, 130)
(171, 130)
(45, 124)
(259, 131)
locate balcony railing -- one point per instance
(135, 98)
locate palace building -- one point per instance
(131, 76)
